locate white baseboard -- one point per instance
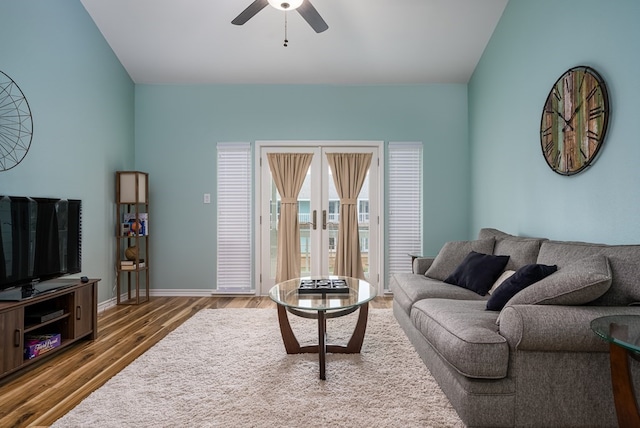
(102, 306)
(180, 293)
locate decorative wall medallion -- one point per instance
(16, 124)
(574, 120)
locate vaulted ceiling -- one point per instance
(367, 42)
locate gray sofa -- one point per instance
(536, 361)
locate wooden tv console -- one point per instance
(71, 312)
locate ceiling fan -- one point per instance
(304, 8)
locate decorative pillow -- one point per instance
(506, 274)
(478, 272)
(452, 253)
(577, 283)
(524, 277)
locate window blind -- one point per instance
(405, 205)
(234, 217)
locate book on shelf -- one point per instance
(132, 266)
(129, 262)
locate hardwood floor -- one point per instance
(42, 393)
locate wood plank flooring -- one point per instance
(42, 393)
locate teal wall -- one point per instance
(483, 163)
(82, 104)
(177, 128)
(512, 187)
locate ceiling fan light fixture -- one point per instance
(285, 4)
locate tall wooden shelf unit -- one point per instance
(132, 200)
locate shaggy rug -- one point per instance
(228, 368)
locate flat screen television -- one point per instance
(41, 240)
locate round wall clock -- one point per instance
(574, 120)
(16, 124)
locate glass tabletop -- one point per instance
(286, 294)
(623, 330)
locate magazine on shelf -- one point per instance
(133, 229)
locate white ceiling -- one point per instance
(368, 41)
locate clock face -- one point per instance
(16, 124)
(574, 120)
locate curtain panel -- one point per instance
(288, 171)
(349, 172)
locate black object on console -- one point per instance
(40, 240)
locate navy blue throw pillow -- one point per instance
(521, 279)
(478, 272)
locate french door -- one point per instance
(318, 213)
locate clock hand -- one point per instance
(566, 122)
(576, 110)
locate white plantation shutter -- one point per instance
(234, 217)
(405, 205)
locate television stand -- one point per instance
(66, 314)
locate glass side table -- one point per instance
(623, 334)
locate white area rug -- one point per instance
(228, 368)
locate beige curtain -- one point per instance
(349, 172)
(288, 171)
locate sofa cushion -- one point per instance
(488, 232)
(575, 284)
(501, 279)
(522, 278)
(409, 288)
(523, 250)
(623, 260)
(464, 334)
(452, 253)
(421, 264)
(477, 272)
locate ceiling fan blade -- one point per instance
(311, 15)
(250, 11)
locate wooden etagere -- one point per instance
(132, 237)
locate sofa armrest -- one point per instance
(422, 264)
(556, 328)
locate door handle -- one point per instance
(313, 223)
(324, 219)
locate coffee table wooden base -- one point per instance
(292, 346)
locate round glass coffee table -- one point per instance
(623, 334)
(321, 303)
